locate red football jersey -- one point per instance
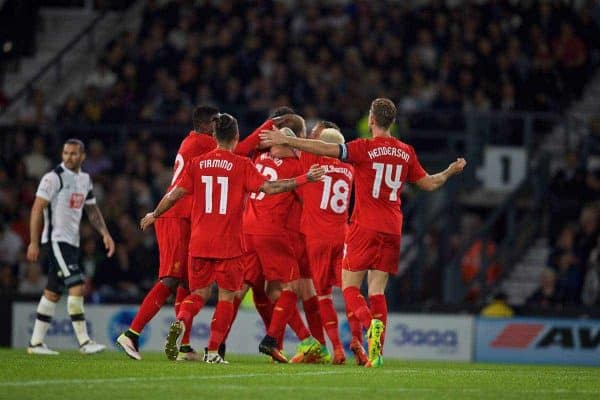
(325, 204)
(381, 166)
(267, 215)
(194, 145)
(219, 182)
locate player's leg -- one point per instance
(237, 301)
(45, 312)
(331, 325)
(305, 349)
(281, 314)
(200, 278)
(229, 277)
(308, 294)
(172, 246)
(152, 303)
(47, 306)
(67, 258)
(377, 282)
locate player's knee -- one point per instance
(74, 305)
(170, 282)
(324, 293)
(52, 296)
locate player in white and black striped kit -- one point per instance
(60, 199)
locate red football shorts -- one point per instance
(325, 259)
(227, 272)
(298, 241)
(173, 237)
(275, 255)
(369, 249)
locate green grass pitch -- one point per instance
(113, 376)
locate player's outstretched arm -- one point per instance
(163, 206)
(274, 137)
(35, 228)
(433, 182)
(97, 220)
(314, 174)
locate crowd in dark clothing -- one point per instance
(331, 59)
(328, 60)
(572, 273)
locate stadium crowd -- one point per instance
(248, 57)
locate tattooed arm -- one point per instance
(97, 221)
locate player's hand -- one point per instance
(272, 137)
(281, 120)
(147, 221)
(457, 166)
(33, 252)
(109, 244)
(315, 173)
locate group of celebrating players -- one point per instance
(270, 213)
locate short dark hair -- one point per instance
(226, 128)
(283, 110)
(76, 142)
(384, 112)
(295, 123)
(202, 116)
(329, 125)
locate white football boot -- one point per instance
(91, 347)
(41, 349)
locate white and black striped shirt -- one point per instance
(67, 192)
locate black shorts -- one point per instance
(61, 260)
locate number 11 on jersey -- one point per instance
(223, 182)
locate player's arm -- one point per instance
(163, 206)
(433, 182)
(314, 174)
(35, 228)
(274, 137)
(97, 220)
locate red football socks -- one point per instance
(281, 313)
(313, 317)
(356, 304)
(181, 294)
(379, 311)
(222, 319)
(263, 305)
(330, 322)
(190, 306)
(236, 307)
(297, 324)
(152, 303)
(355, 326)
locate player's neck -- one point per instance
(225, 146)
(378, 132)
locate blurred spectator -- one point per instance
(102, 77)
(36, 162)
(11, 245)
(36, 111)
(591, 287)
(546, 295)
(32, 282)
(498, 308)
(96, 162)
(8, 281)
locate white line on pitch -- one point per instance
(159, 378)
